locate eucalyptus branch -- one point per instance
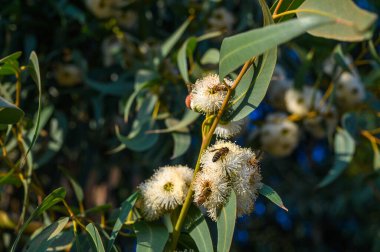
(205, 142)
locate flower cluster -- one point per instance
(208, 93)
(226, 167)
(113, 8)
(279, 136)
(165, 191)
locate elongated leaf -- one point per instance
(126, 207)
(173, 39)
(250, 94)
(237, 49)
(95, 236)
(189, 117)
(376, 157)
(132, 98)
(76, 187)
(13, 56)
(182, 138)
(62, 241)
(151, 237)
(226, 224)
(210, 57)
(43, 240)
(35, 74)
(271, 194)
(196, 226)
(187, 48)
(351, 22)
(9, 113)
(141, 142)
(344, 147)
(52, 199)
(57, 130)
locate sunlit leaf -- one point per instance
(151, 237)
(186, 49)
(173, 39)
(226, 224)
(210, 57)
(95, 237)
(196, 226)
(351, 22)
(189, 117)
(52, 199)
(249, 94)
(126, 207)
(240, 48)
(271, 194)
(344, 148)
(43, 240)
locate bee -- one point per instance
(220, 153)
(219, 88)
(205, 193)
(254, 160)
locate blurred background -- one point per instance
(97, 54)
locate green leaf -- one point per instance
(52, 199)
(13, 56)
(376, 157)
(340, 59)
(210, 57)
(189, 117)
(182, 138)
(43, 240)
(344, 147)
(240, 48)
(141, 142)
(186, 49)
(9, 113)
(196, 226)
(248, 94)
(126, 207)
(226, 224)
(57, 132)
(372, 50)
(151, 237)
(173, 39)
(76, 187)
(132, 98)
(271, 194)
(351, 22)
(35, 74)
(95, 236)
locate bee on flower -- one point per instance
(226, 167)
(208, 93)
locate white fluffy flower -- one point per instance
(100, 8)
(301, 102)
(276, 92)
(221, 20)
(278, 135)
(229, 129)
(211, 190)
(238, 169)
(224, 155)
(164, 191)
(68, 74)
(329, 64)
(349, 90)
(208, 94)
